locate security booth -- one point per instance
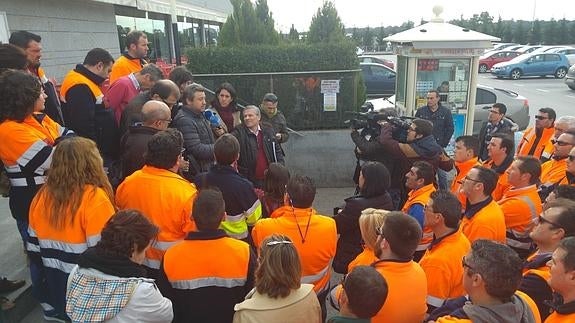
(443, 57)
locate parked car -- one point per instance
(528, 49)
(375, 59)
(570, 78)
(549, 49)
(485, 97)
(533, 64)
(379, 79)
(500, 46)
(569, 52)
(486, 61)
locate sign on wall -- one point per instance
(4, 31)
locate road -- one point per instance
(541, 92)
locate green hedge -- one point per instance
(300, 97)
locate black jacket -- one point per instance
(198, 140)
(504, 126)
(442, 123)
(249, 149)
(134, 145)
(91, 119)
(132, 113)
(279, 123)
(349, 244)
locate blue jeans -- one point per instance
(442, 179)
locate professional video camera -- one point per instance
(367, 120)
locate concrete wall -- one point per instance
(69, 29)
(324, 155)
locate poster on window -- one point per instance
(329, 102)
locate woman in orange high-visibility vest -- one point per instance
(68, 213)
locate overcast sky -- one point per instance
(375, 13)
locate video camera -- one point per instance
(368, 121)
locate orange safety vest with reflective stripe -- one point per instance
(406, 299)
(67, 243)
(553, 171)
(365, 258)
(124, 66)
(462, 169)
(487, 223)
(528, 139)
(317, 250)
(502, 182)
(166, 199)
(442, 265)
(420, 196)
(74, 78)
(26, 143)
(521, 206)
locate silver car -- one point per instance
(486, 96)
(570, 78)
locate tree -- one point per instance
(326, 26)
(380, 35)
(367, 38)
(293, 35)
(356, 37)
(247, 27)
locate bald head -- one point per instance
(156, 114)
(165, 90)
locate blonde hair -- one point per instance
(279, 267)
(369, 221)
(76, 162)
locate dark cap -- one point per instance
(270, 97)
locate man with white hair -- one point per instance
(258, 146)
(562, 124)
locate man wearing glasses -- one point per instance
(492, 273)
(397, 240)
(521, 204)
(562, 268)
(561, 125)
(535, 139)
(496, 122)
(483, 218)
(553, 171)
(554, 224)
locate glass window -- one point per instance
(450, 77)
(401, 81)
(484, 97)
(156, 28)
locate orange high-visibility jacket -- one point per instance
(487, 223)
(316, 252)
(442, 265)
(166, 199)
(125, 65)
(406, 299)
(553, 171)
(529, 138)
(521, 206)
(420, 196)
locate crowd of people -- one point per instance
(141, 203)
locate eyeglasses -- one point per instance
(276, 242)
(541, 117)
(166, 120)
(542, 220)
(560, 143)
(182, 151)
(411, 129)
(467, 178)
(571, 157)
(465, 264)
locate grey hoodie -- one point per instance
(516, 311)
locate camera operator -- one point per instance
(368, 148)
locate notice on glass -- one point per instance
(329, 101)
(329, 86)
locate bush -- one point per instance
(300, 97)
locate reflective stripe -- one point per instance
(99, 99)
(311, 279)
(58, 264)
(164, 245)
(12, 169)
(422, 247)
(38, 180)
(32, 247)
(254, 213)
(152, 263)
(235, 218)
(209, 282)
(31, 152)
(435, 301)
(93, 240)
(517, 244)
(76, 248)
(531, 206)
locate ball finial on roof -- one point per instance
(437, 11)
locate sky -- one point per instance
(376, 13)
